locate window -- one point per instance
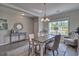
(58, 27)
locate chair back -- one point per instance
(56, 42)
(31, 36)
(39, 34)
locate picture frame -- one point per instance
(3, 24)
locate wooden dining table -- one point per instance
(42, 40)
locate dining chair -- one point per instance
(31, 37)
(37, 48)
(53, 46)
(39, 34)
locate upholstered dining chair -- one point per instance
(53, 46)
(37, 48)
(31, 37)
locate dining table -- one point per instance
(42, 40)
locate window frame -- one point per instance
(62, 19)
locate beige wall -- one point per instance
(13, 17)
(36, 27)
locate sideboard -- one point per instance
(17, 36)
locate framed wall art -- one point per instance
(3, 24)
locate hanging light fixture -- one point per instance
(45, 18)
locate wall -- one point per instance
(36, 27)
(73, 18)
(13, 17)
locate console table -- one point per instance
(17, 36)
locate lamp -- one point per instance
(44, 19)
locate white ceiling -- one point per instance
(37, 9)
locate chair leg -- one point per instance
(53, 53)
(36, 48)
(29, 49)
(45, 50)
(29, 52)
(57, 52)
(64, 53)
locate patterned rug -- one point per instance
(64, 51)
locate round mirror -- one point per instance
(18, 26)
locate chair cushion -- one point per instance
(69, 39)
(50, 45)
(70, 42)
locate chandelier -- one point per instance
(45, 18)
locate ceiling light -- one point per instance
(45, 18)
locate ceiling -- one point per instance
(37, 9)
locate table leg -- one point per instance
(33, 47)
(41, 49)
